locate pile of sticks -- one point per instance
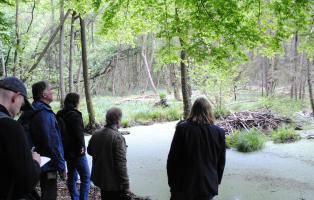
(264, 120)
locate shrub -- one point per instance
(221, 112)
(162, 96)
(125, 123)
(166, 114)
(252, 140)
(285, 135)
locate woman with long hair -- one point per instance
(196, 158)
(74, 147)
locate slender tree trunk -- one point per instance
(301, 76)
(187, 104)
(174, 82)
(309, 81)
(17, 38)
(71, 53)
(263, 74)
(89, 103)
(296, 56)
(4, 71)
(61, 56)
(78, 77)
(144, 56)
(114, 75)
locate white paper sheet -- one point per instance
(44, 160)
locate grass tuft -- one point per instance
(285, 135)
(252, 140)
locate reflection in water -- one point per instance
(280, 171)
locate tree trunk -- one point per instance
(263, 74)
(4, 71)
(17, 39)
(114, 75)
(184, 84)
(71, 53)
(296, 56)
(309, 81)
(89, 103)
(78, 77)
(187, 104)
(174, 82)
(61, 56)
(147, 67)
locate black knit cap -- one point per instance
(16, 85)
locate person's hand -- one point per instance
(63, 175)
(82, 150)
(36, 157)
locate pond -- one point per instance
(279, 171)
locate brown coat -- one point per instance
(108, 149)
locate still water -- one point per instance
(279, 171)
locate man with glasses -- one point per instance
(20, 167)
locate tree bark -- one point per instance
(174, 82)
(71, 53)
(147, 67)
(296, 56)
(17, 39)
(78, 77)
(4, 71)
(187, 104)
(309, 81)
(89, 103)
(61, 56)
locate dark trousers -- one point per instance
(48, 185)
(110, 195)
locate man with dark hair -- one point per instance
(47, 140)
(108, 149)
(20, 168)
(74, 147)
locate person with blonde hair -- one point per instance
(196, 158)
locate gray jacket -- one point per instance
(108, 149)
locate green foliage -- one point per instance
(285, 135)
(125, 123)
(162, 96)
(253, 140)
(282, 105)
(220, 112)
(133, 112)
(158, 115)
(5, 24)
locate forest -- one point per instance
(252, 59)
(141, 47)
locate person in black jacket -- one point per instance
(74, 147)
(196, 158)
(20, 168)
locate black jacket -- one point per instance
(17, 169)
(196, 161)
(75, 130)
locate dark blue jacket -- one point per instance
(47, 137)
